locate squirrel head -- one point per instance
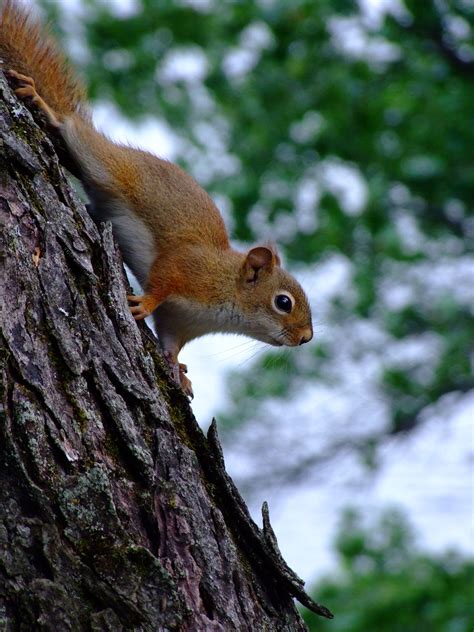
(273, 302)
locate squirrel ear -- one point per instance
(258, 259)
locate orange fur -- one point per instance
(27, 47)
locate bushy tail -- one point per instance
(27, 47)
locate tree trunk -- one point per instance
(115, 511)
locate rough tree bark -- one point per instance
(115, 511)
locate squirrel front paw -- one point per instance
(27, 90)
(142, 306)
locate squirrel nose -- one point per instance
(306, 336)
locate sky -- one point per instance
(429, 475)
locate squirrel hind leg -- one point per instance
(27, 90)
(178, 373)
(184, 380)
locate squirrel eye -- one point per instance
(283, 303)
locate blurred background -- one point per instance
(343, 131)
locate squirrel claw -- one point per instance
(27, 90)
(178, 371)
(19, 77)
(138, 312)
(144, 305)
(185, 382)
(27, 87)
(186, 385)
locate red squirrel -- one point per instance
(169, 230)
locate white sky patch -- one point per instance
(241, 59)
(328, 280)
(421, 352)
(187, 64)
(239, 62)
(258, 221)
(308, 128)
(413, 240)
(284, 227)
(428, 475)
(458, 27)
(306, 200)
(397, 296)
(342, 180)
(72, 22)
(445, 277)
(123, 8)
(429, 283)
(409, 232)
(350, 37)
(205, 166)
(257, 36)
(150, 133)
(209, 359)
(346, 183)
(209, 135)
(374, 11)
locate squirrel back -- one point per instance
(27, 46)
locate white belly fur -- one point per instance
(136, 244)
(187, 319)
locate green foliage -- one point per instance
(288, 96)
(386, 583)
